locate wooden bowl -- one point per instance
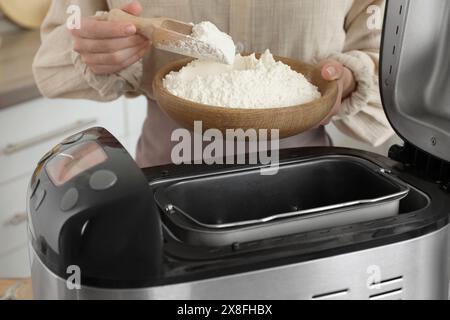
(288, 120)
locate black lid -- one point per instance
(86, 200)
(415, 73)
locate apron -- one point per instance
(155, 145)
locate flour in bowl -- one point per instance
(247, 83)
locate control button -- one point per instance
(39, 199)
(34, 187)
(72, 139)
(102, 180)
(69, 200)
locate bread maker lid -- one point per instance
(415, 73)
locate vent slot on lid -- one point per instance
(394, 50)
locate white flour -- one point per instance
(248, 83)
(206, 42)
(221, 42)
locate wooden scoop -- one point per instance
(169, 35)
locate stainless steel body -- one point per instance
(413, 269)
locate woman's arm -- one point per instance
(361, 114)
(61, 72)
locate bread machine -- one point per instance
(333, 223)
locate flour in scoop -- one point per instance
(206, 42)
(222, 44)
(247, 83)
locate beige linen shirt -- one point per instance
(308, 30)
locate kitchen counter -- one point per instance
(15, 289)
(17, 50)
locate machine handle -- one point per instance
(19, 146)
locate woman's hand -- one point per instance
(334, 70)
(109, 47)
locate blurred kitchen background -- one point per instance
(30, 125)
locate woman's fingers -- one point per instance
(133, 8)
(97, 63)
(97, 29)
(107, 47)
(92, 28)
(82, 45)
(335, 110)
(109, 69)
(112, 58)
(332, 70)
(349, 83)
(135, 57)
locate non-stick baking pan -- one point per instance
(303, 196)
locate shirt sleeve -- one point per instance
(60, 72)
(361, 115)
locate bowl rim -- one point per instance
(158, 85)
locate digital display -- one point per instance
(73, 161)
